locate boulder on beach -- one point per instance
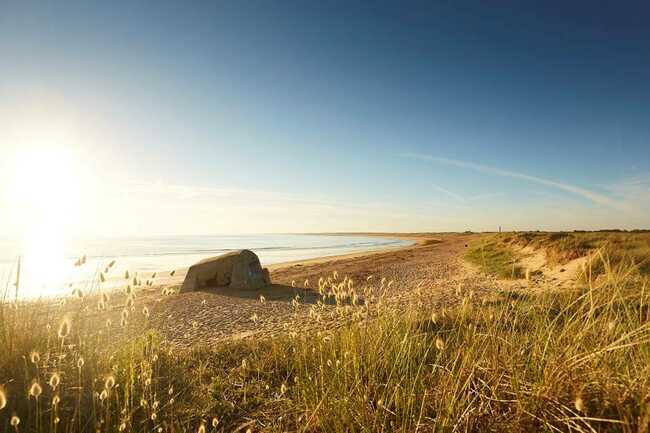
(240, 270)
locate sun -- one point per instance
(43, 199)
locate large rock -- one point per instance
(239, 270)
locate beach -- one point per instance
(212, 315)
(208, 316)
(412, 308)
(48, 265)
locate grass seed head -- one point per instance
(3, 398)
(64, 328)
(579, 404)
(35, 390)
(14, 421)
(55, 380)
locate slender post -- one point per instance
(17, 279)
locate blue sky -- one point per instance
(260, 116)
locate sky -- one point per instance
(157, 118)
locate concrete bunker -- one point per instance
(240, 270)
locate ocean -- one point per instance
(47, 269)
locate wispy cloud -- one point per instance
(448, 193)
(485, 196)
(579, 191)
(467, 199)
(231, 195)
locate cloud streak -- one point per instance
(449, 193)
(576, 190)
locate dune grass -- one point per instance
(495, 258)
(632, 248)
(571, 360)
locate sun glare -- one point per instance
(43, 179)
(44, 199)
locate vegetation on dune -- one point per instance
(571, 360)
(561, 247)
(495, 258)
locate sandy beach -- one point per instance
(427, 272)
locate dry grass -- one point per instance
(495, 258)
(575, 360)
(632, 248)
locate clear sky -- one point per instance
(150, 118)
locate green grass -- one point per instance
(630, 248)
(495, 258)
(571, 360)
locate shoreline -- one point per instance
(417, 239)
(114, 283)
(177, 279)
(356, 254)
(212, 315)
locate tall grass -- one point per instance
(571, 360)
(632, 248)
(496, 258)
